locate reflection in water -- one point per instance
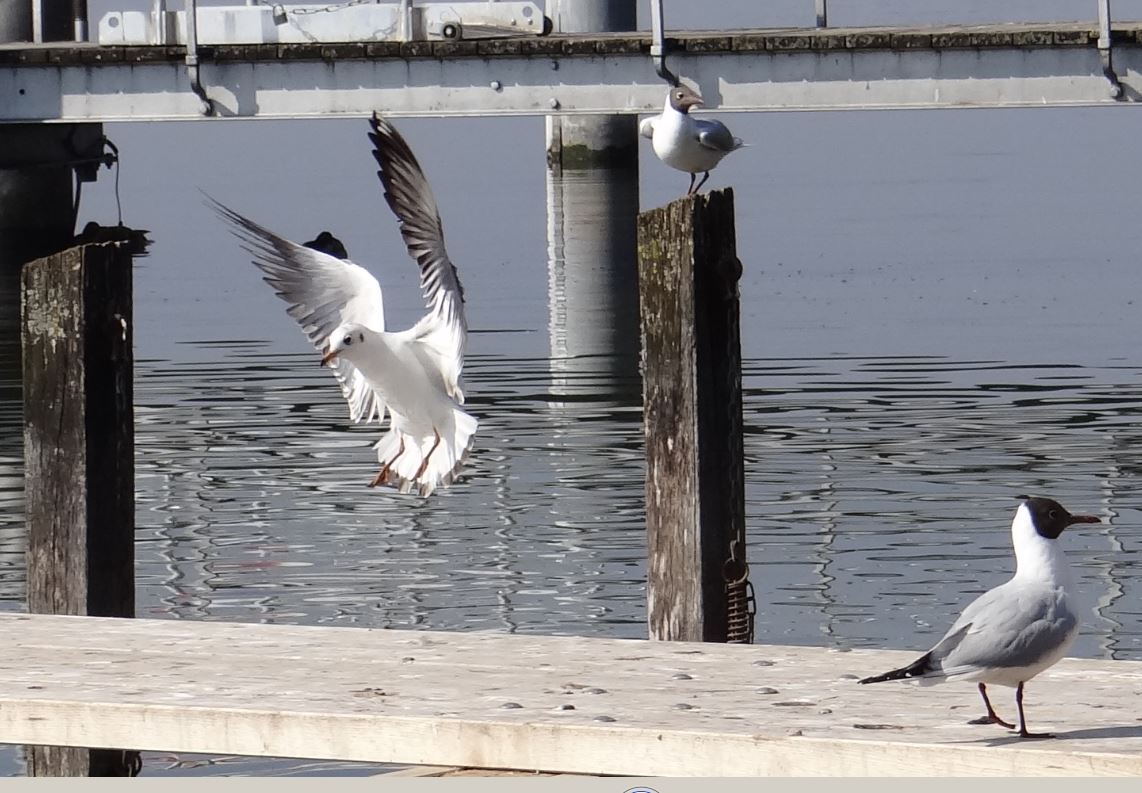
(11, 444)
(592, 284)
(253, 505)
(878, 497)
(923, 456)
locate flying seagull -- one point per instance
(415, 374)
(1013, 632)
(694, 145)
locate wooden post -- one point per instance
(695, 495)
(79, 455)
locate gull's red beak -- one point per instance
(1084, 519)
(328, 356)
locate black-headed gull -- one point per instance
(327, 243)
(694, 145)
(1013, 632)
(414, 373)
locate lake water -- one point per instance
(939, 311)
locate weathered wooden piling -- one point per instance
(79, 455)
(695, 494)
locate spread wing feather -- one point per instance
(443, 332)
(323, 292)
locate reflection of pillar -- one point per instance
(1110, 567)
(593, 284)
(581, 142)
(11, 442)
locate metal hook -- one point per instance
(1104, 49)
(657, 44)
(192, 58)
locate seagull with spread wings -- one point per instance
(416, 373)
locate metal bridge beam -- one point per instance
(123, 85)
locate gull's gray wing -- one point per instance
(443, 332)
(323, 292)
(1009, 626)
(713, 134)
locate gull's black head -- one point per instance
(683, 97)
(327, 243)
(1050, 517)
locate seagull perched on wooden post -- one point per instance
(694, 145)
(413, 373)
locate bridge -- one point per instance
(1008, 65)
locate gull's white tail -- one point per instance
(444, 461)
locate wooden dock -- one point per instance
(553, 704)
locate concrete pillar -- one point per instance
(35, 160)
(36, 176)
(592, 210)
(582, 142)
(55, 20)
(15, 21)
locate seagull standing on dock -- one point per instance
(414, 373)
(1013, 632)
(694, 145)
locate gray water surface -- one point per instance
(938, 313)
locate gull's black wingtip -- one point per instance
(377, 124)
(400, 171)
(388, 143)
(223, 211)
(210, 201)
(220, 209)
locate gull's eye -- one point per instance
(677, 94)
(1053, 514)
(347, 341)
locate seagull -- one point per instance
(416, 373)
(1013, 632)
(689, 144)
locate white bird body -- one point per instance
(1011, 633)
(414, 374)
(421, 404)
(693, 145)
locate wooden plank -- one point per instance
(556, 704)
(695, 493)
(79, 453)
(421, 771)
(446, 770)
